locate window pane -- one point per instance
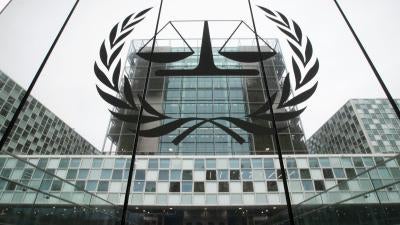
(187, 186)
(187, 175)
(138, 186)
(176, 175)
(319, 185)
(163, 175)
(248, 186)
(199, 164)
(223, 187)
(103, 186)
(272, 186)
(150, 186)
(211, 175)
(105, 174)
(153, 164)
(198, 186)
(117, 175)
(235, 175)
(140, 175)
(174, 187)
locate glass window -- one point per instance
(246, 163)
(295, 186)
(235, 175)
(187, 186)
(308, 185)
(45, 185)
(234, 163)
(305, 174)
(97, 163)
(270, 174)
(247, 175)
(108, 163)
(198, 186)
(140, 175)
(83, 173)
(119, 163)
(91, 185)
(339, 173)
(291, 163)
(75, 163)
(138, 186)
(150, 186)
(343, 185)
(272, 186)
(56, 186)
(368, 161)
(258, 175)
(313, 162)
(153, 164)
(117, 175)
(211, 175)
(199, 164)
(350, 172)
(164, 163)
(324, 162)
(358, 162)
(187, 175)
(223, 175)
(223, 186)
(257, 163)
(176, 175)
(163, 175)
(105, 174)
(86, 163)
(328, 174)
(346, 162)
(38, 174)
(103, 186)
(269, 163)
(80, 185)
(174, 187)
(248, 186)
(71, 175)
(63, 163)
(211, 163)
(319, 185)
(42, 163)
(293, 174)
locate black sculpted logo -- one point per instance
(108, 71)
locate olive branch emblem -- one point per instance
(110, 63)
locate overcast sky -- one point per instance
(67, 84)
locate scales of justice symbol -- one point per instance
(206, 65)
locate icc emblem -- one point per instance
(128, 107)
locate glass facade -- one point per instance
(207, 151)
(38, 130)
(360, 126)
(207, 97)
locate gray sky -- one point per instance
(67, 84)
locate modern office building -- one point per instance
(38, 130)
(360, 126)
(209, 96)
(208, 178)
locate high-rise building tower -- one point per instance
(206, 96)
(37, 130)
(360, 126)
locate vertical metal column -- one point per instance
(35, 78)
(137, 134)
(276, 136)
(371, 64)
